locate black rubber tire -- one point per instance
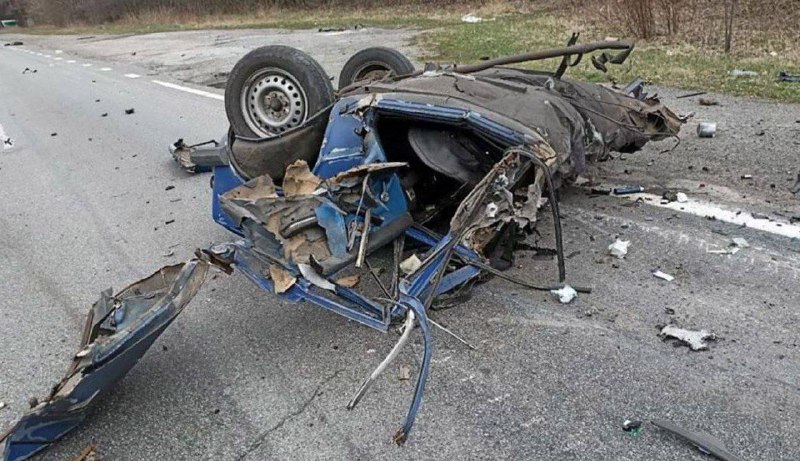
(305, 70)
(376, 57)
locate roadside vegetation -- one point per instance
(692, 44)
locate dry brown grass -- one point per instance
(760, 27)
(104, 12)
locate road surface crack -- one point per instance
(259, 441)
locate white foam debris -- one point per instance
(663, 276)
(565, 294)
(619, 248)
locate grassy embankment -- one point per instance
(445, 38)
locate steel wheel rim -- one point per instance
(272, 102)
(371, 71)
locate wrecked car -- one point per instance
(444, 170)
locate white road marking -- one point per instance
(105, 69)
(5, 141)
(59, 59)
(88, 64)
(47, 56)
(707, 209)
(132, 75)
(207, 94)
(59, 51)
(39, 54)
(71, 61)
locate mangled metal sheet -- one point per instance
(118, 331)
(305, 224)
(476, 151)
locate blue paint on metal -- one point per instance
(452, 116)
(416, 306)
(224, 179)
(110, 361)
(331, 218)
(361, 309)
(343, 145)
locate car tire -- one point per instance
(373, 63)
(274, 89)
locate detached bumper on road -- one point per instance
(119, 329)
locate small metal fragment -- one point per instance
(663, 276)
(696, 340)
(706, 129)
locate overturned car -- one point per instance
(453, 162)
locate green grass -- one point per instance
(447, 39)
(669, 65)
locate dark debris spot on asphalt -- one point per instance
(170, 187)
(169, 221)
(104, 114)
(129, 111)
(53, 134)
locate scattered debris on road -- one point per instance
(405, 373)
(632, 426)
(104, 114)
(707, 102)
(129, 111)
(619, 248)
(197, 158)
(690, 95)
(28, 69)
(2, 405)
(14, 44)
(707, 443)
(796, 187)
(628, 190)
(88, 454)
(565, 294)
(663, 276)
(706, 129)
(696, 340)
(5, 141)
(53, 134)
(740, 242)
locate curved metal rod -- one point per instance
(562, 271)
(565, 60)
(546, 54)
(414, 305)
(408, 326)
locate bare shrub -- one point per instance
(639, 17)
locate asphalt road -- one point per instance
(243, 376)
